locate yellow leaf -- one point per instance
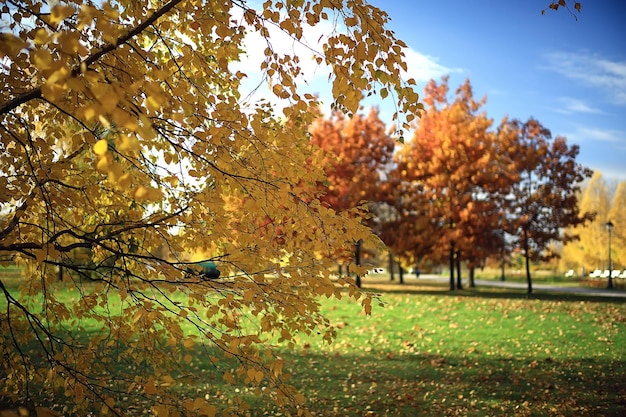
(188, 405)
(105, 122)
(45, 412)
(40, 255)
(188, 342)
(128, 143)
(125, 180)
(89, 112)
(223, 31)
(103, 164)
(229, 378)
(141, 192)
(109, 101)
(101, 147)
(160, 410)
(150, 388)
(11, 45)
(153, 103)
(258, 376)
(59, 13)
(210, 410)
(41, 58)
(40, 37)
(116, 172)
(351, 21)
(79, 393)
(168, 381)
(110, 401)
(58, 76)
(131, 387)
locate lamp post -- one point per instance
(502, 252)
(609, 227)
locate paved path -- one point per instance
(616, 293)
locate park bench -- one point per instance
(596, 274)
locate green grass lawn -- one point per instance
(427, 352)
(430, 352)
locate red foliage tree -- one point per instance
(451, 171)
(356, 151)
(544, 201)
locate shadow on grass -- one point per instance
(477, 385)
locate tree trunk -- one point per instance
(451, 266)
(472, 284)
(401, 274)
(391, 266)
(459, 284)
(527, 256)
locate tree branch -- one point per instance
(36, 92)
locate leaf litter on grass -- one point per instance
(425, 354)
(435, 354)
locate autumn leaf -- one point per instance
(101, 147)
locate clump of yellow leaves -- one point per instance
(115, 171)
(126, 150)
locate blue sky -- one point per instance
(569, 74)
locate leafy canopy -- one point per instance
(128, 155)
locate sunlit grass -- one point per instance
(430, 353)
(426, 351)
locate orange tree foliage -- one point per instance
(451, 169)
(126, 151)
(544, 201)
(355, 151)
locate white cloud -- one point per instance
(573, 105)
(585, 134)
(423, 68)
(591, 70)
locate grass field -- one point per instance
(487, 353)
(430, 352)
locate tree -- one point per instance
(356, 151)
(544, 202)
(124, 135)
(451, 166)
(589, 252)
(617, 215)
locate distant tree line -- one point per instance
(459, 190)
